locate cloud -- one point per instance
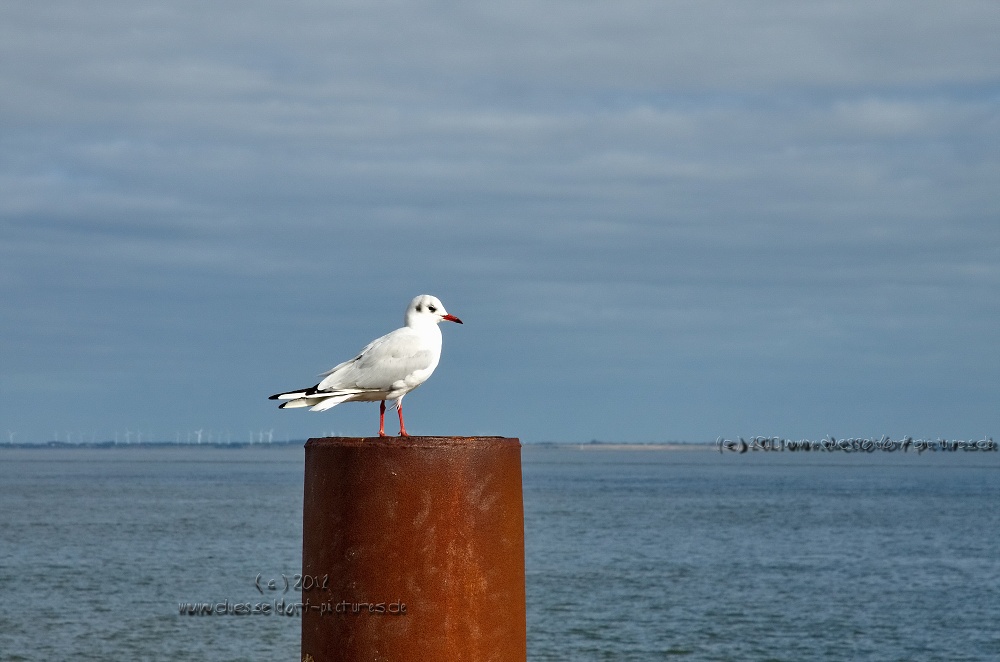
(628, 204)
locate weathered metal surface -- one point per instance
(413, 549)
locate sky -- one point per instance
(659, 221)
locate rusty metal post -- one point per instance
(413, 549)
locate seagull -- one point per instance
(386, 369)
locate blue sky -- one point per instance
(658, 220)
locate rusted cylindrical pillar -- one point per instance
(413, 549)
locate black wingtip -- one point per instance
(304, 391)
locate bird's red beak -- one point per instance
(451, 318)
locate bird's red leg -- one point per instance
(381, 419)
(402, 428)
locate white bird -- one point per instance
(386, 369)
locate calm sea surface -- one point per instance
(630, 555)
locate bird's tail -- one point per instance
(310, 397)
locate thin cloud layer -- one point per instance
(659, 220)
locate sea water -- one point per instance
(630, 554)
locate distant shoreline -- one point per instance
(586, 446)
(613, 446)
(152, 444)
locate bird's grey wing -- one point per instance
(341, 366)
(380, 364)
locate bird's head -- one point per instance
(427, 309)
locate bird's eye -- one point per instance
(433, 309)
